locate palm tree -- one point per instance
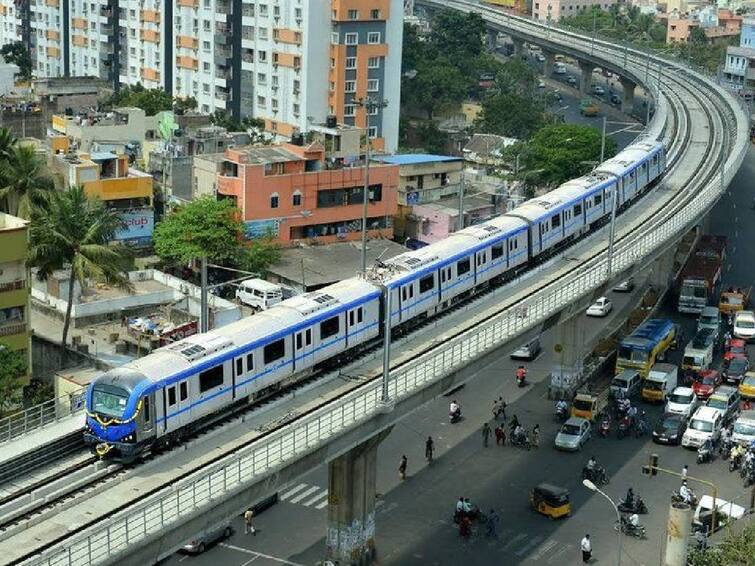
(7, 142)
(78, 231)
(26, 182)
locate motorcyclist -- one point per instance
(634, 520)
(632, 412)
(454, 409)
(592, 463)
(686, 493)
(629, 499)
(624, 405)
(521, 374)
(518, 433)
(561, 406)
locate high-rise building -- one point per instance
(14, 284)
(291, 63)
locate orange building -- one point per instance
(288, 191)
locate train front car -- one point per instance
(115, 409)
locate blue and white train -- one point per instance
(163, 396)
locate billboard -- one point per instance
(262, 228)
(139, 224)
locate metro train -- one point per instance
(158, 399)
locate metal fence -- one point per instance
(175, 504)
(50, 412)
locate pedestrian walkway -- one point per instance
(305, 495)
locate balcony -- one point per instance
(13, 329)
(222, 39)
(229, 186)
(222, 8)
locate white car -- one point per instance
(598, 90)
(744, 325)
(682, 401)
(574, 433)
(601, 307)
(540, 57)
(625, 286)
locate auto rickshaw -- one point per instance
(550, 500)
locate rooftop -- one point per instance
(269, 154)
(415, 158)
(323, 265)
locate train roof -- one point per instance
(541, 207)
(628, 159)
(589, 183)
(507, 224)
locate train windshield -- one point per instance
(111, 401)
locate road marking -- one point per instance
(515, 540)
(291, 492)
(317, 497)
(530, 545)
(259, 554)
(304, 494)
(561, 551)
(322, 505)
(250, 560)
(544, 549)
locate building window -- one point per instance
(349, 110)
(373, 131)
(373, 37)
(276, 11)
(373, 63)
(274, 103)
(350, 86)
(263, 10)
(261, 79)
(274, 200)
(296, 109)
(206, 45)
(353, 14)
(375, 14)
(206, 67)
(373, 85)
(334, 38)
(206, 88)
(296, 199)
(374, 111)
(262, 55)
(262, 33)
(332, 85)
(297, 85)
(261, 102)
(351, 62)
(352, 38)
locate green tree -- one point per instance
(432, 139)
(516, 77)
(559, 152)
(697, 36)
(17, 53)
(7, 143)
(412, 48)
(204, 227)
(182, 105)
(437, 84)
(457, 35)
(259, 253)
(26, 182)
(13, 369)
(511, 115)
(735, 550)
(77, 231)
(151, 100)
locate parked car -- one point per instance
(744, 325)
(601, 307)
(574, 433)
(706, 383)
(669, 429)
(735, 369)
(682, 401)
(528, 351)
(571, 80)
(625, 286)
(598, 90)
(200, 543)
(615, 99)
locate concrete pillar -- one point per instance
(627, 101)
(662, 273)
(518, 46)
(550, 60)
(677, 534)
(492, 37)
(569, 356)
(351, 504)
(586, 77)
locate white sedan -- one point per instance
(601, 307)
(744, 325)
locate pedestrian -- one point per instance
(429, 445)
(496, 409)
(502, 408)
(402, 468)
(586, 546)
(500, 436)
(514, 423)
(485, 434)
(248, 527)
(492, 524)
(536, 436)
(684, 472)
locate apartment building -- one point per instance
(554, 10)
(14, 284)
(289, 62)
(291, 192)
(739, 70)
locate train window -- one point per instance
(299, 341)
(273, 351)
(239, 366)
(462, 266)
(411, 291)
(308, 337)
(598, 199)
(556, 220)
(183, 389)
(329, 327)
(577, 209)
(351, 318)
(145, 405)
(496, 251)
(211, 378)
(359, 314)
(171, 396)
(442, 275)
(426, 283)
(249, 362)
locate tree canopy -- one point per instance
(559, 152)
(17, 53)
(735, 550)
(25, 181)
(13, 368)
(152, 100)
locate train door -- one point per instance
(146, 427)
(303, 349)
(481, 259)
(237, 375)
(170, 404)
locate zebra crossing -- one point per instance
(305, 495)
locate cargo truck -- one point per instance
(700, 277)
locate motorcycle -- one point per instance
(605, 426)
(521, 441)
(676, 498)
(521, 379)
(744, 469)
(628, 528)
(641, 427)
(562, 413)
(726, 447)
(637, 505)
(735, 460)
(597, 475)
(624, 425)
(454, 417)
(704, 454)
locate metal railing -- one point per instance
(174, 504)
(33, 418)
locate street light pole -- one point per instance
(594, 30)
(603, 141)
(592, 487)
(204, 322)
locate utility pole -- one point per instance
(603, 141)
(204, 320)
(386, 344)
(369, 105)
(461, 201)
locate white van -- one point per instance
(559, 68)
(682, 401)
(744, 428)
(626, 384)
(704, 424)
(259, 294)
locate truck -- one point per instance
(698, 355)
(733, 300)
(660, 382)
(588, 405)
(700, 277)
